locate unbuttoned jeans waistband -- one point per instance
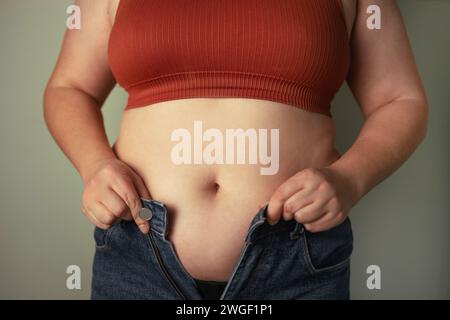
(258, 227)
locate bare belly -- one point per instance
(211, 203)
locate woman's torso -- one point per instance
(211, 205)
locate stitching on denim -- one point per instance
(310, 265)
(160, 234)
(242, 257)
(232, 283)
(107, 237)
(162, 267)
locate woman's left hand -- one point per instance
(320, 199)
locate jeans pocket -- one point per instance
(102, 237)
(328, 250)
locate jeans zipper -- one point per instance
(234, 271)
(162, 266)
(241, 257)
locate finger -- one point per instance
(101, 213)
(311, 212)
(115, 204)
(141, 189)
(126, 190)
(315, 211)
(127, 215)
(276, 203)
(325, 222)
(297, 201)
(93, 219)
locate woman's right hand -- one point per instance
(113, 192)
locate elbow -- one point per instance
(419, 115)
(51, 98)
(46, 98)
(423, 118)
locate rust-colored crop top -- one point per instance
(290, 51)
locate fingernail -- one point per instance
(144, 229)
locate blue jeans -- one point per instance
(284, 261)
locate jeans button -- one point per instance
(146, 214)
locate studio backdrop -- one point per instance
(400, 227)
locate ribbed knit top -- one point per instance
(290, 51)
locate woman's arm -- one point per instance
(77, 89)
(386, 84)
(75, 93)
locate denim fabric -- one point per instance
(284, 261)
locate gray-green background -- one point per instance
(402, 225)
